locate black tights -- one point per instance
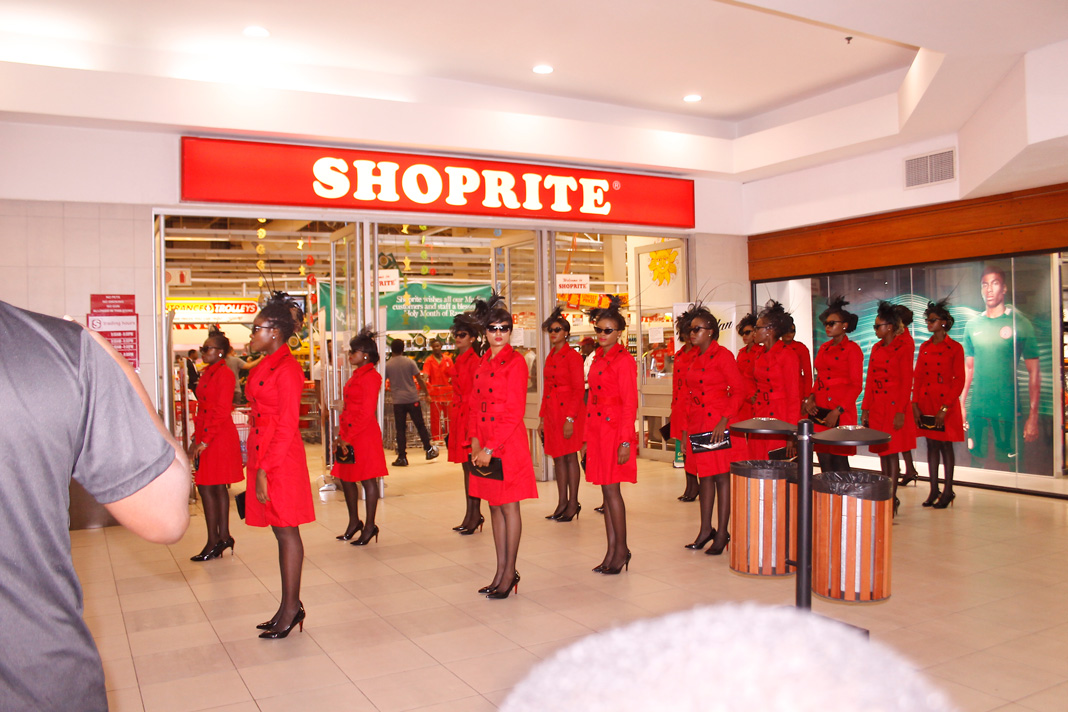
(567, 483)
(473, 515)
(710, 487)
(507, 525)
(290, 564)
(693, 487)
(215, 500)
(615, 525)
(939, 451)
(891, 468)
(352, 499)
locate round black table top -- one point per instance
(764, 426)
(851, 435)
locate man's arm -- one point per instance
(158, 512)
(1034, 391)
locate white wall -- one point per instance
(54, 255)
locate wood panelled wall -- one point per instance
(1033, 220)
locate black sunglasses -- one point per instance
(555, 329)
(695, 329)
(879, 326)
(499, 328)
(747, 332)
(461, 334)
(832, 322)
(599, 330)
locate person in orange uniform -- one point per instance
(888, 393)
(777, 381)
(360, 432)
(563, 414)
(465, 332)
(277, 467)
(216, 443)
(714, 394)
(683, 357)
(839, 381)
(747, 358)
(498, 400)
(611, 440)
(937, 384)
(439, 391)
(804, 362)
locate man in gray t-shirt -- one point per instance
(402, 374)
(69, 406)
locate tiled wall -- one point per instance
(54, 255)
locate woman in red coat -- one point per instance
(498, 400)
(888, 393)
(839, 381)
(683, 357)
(778, 379)
(611, 440)
(217, 445)
(277, 464)
(936, 389)
(905, 341)
(465, 333)
(714, 394)
(747, 358)
(360, 433)
(563, 414)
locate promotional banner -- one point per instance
(1004, 322)
(428, 308)
(248, 172)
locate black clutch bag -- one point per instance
(928, 422)
(702, 442)
(665, 430)
(345, 455)
(493, 471)
(239, 502)
(821, 415)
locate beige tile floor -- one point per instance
(980, 601)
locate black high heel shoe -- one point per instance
(609, 571)
(562, 518)
(348, 535)
(701, 544)
(469, 532)
(599, 510)
(687, 498)
(223, 545)
(459, 527)
(267, 625)
(487, 589)
(557, 515)
(717, 550)
(365, 538)
(497, 594)
(206, 554)
(897, 503)
(932, 498)
(945, 501)
(298, 619)
(908, 478)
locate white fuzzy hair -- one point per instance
(728, 658)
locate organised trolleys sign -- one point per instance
(212, 311)
(226, 171)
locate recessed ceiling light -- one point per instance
(543, 69)
(692, 98)
(256, 31)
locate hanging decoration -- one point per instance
(261, 265)
(261, 233)
(261, 249)
(663, 265)
(309, 260)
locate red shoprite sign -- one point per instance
(225, 171)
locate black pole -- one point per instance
(804, 514)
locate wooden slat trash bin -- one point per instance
(852, 516)
(763, 517)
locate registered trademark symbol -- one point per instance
(615, 185)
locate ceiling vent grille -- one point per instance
(938, 167)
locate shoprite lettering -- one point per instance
(426, 185)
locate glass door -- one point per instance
(659, 281)
(519, 259)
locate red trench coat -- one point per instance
(776, 373)
(220, 462)
(938, 381)
(359, 427)
(839, 381)
(462, 376)
(887, 392)
(714, 388)
(497, 402)
(747, 358)
(804, 362)
(274, 388)
(610, 414)
(564, 389)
